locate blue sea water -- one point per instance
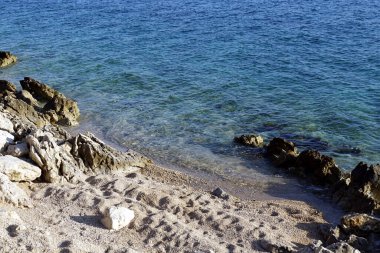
(178, 79)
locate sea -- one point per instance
(177, 80)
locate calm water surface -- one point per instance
(178, 79)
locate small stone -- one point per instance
(18, 170)
(115, 218)
(220, 193)
(14, 230)
(5, 139)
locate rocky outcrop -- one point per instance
(39, 103)
(281, 152)
(6, 58)
(252, 140)
(360, 192)
(18, 170)
(321, 169)
(12, 194)
(361, 224)
(96, 156)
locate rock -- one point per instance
(18, 150)
(116, 218)
(5, 139)
(14, 230)
(342, 247)
(67, 110)
(6, 124)
(28, 98)
(250, 140)
(6, 58)
(361, 191)
(7, 87)
(360, 224)
(318, 168)
(275, 246)
(18, 170)
(12, 194)
(220, 193)
(53, 156)
(359, 243)
(282, 152)
(38, 90)
(330, 234)
(99, 157)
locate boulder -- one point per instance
(53, 156)
(18, 149)
(5, 123)
(250, 140)
(360, 192)
(282, 152)
(67, 110)
(115, 218)
(320, 169)
(18, 170)
(97, 157)
(38, 90)
(5, 139)
(360, 224)
(7, 87)
(12, 194)
(6, 58)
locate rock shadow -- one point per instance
(90, 220)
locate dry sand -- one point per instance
(171, 216)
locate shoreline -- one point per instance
(81, 176)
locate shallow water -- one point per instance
(177, 80)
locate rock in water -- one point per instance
(5, 139)
(282, 152)
(18, 170)
(318, 168)
(116, 218)
(67, 110)
(250, 140)
(11, 193)
(6, 58)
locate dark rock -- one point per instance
(364, 175)
(250, 140)
(220, 193)
(39, 91)
(6, 58)
(320, 169)
(330, 234)
(6, 87)
(361, 224)
(359, 243)
(282, 152)
(348, 150)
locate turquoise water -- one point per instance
(178, 79)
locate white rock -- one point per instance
(18, 150)
(11, 193)
(6, 124)
(116, 218)
(5, 139)
(17, 169)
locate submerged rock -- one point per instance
(250, 140)
(282, 152)
(320, 169)
(18, 170)
(116, 218)
(6, 58)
